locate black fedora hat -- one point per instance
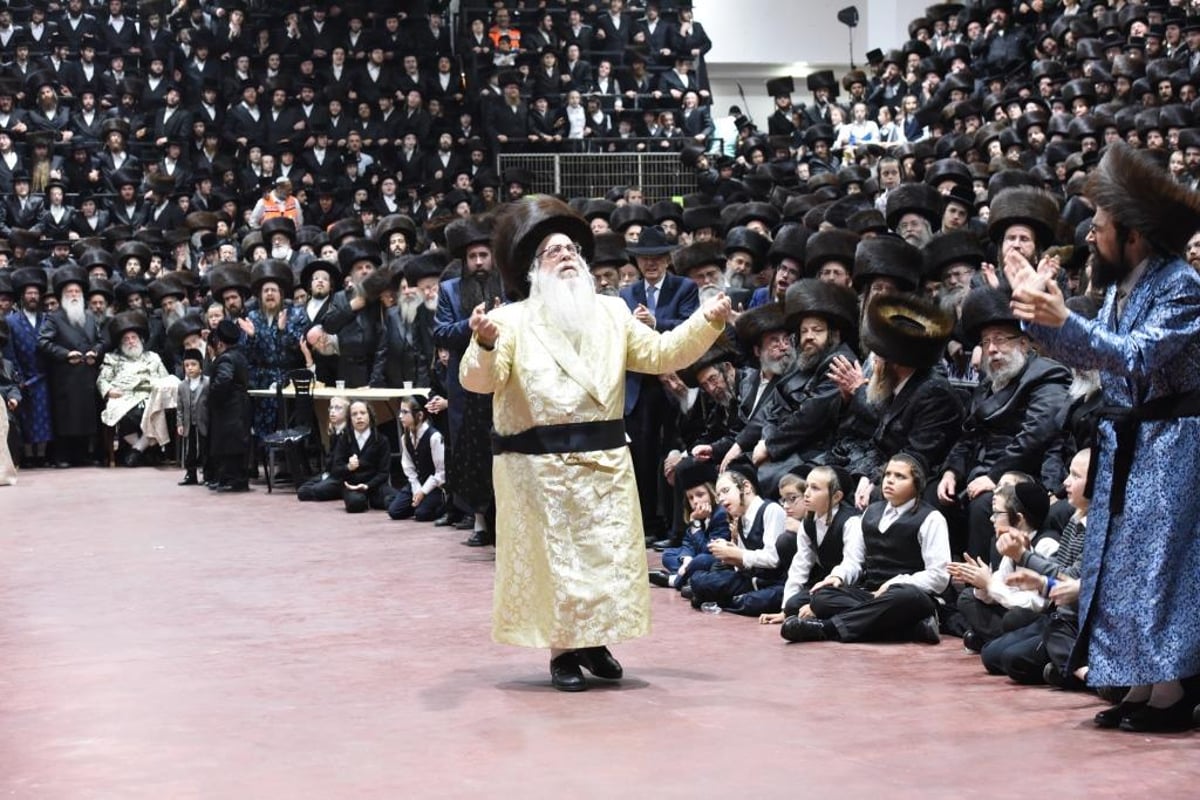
(652, 242)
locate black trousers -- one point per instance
(195, 452)
(644, 427)
(859, 616)
(1018, 654)
(735, 591)
(231, 470)
(320, 489)
(796, 602)
(970, 525)
(358, 501)
(429, 509)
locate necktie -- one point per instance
(652, 298)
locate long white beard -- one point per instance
(1002, 375)
(431, 303)
(408, 308)
(570, 302)
(75, 310)
(132, 351)
(1084, 383)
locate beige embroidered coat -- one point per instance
(570, 559)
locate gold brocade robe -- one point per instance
(570, 555)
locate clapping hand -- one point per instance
(486, 331)
(1036, 296)
(847, 375)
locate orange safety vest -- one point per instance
(274, 207)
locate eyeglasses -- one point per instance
(998, 341)
(556, 252)
(787, 500)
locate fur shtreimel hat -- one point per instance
(522, 226)
(836, 304)
(986, 306)
(1142, 196)
(906, 329)
(1023, 205)
(887, 257)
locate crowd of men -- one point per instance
(314, 190)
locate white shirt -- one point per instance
(774, 524)
(848, 569)
(437, 449)
(934, 537)
(362, 438)
(576, 121)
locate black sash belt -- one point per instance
(574, 437)
(1125, 424)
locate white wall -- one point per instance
(754, 40)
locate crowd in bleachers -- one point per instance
(306, 195)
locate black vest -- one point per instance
(422, 456)
(897, 552)
(785, 546)
(829, 551)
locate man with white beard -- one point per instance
(127, 379)
(1010, 424)
(72, 343)
(570, 562)
(408, 324)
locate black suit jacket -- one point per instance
(374, 460)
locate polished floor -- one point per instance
(162, 642)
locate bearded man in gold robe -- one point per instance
(570, 555)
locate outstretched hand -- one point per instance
(486, 331)
(717, 308)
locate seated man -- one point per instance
(128, 378)
(1012, 420)
(760, 560)
(906, 552)
(801, 415)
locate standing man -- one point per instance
(25, 324)
(72, 341)
(570, 563)
(1139, 625)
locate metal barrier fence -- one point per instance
(660, 175)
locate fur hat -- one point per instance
(598, 207)
(698, 217)
(692, 473)
(522, 226)
(427, 265)
(100, 286)
(127, 321)
(188, 325)
(25, 277)
(65, 275)
(906, 329)
(624, 216)
(763, 212)
(340, 230)
(749, 241)
(375, 284)
(1144, 197)
(696, 255)
(319, 265)
(466, 231)
(836, 304)
(133, 249)
(914, 198)
(986, 306)
(826, 246)
(1024, 205)
(719, 353)
(272, 270)
(887, 257)
(96, 257)
(752, 325)
(396, 223)
(790, 242)
(229, 276)
(951, 247)
(610, 251)
(164, 287)
(357, 250)
(279, 225)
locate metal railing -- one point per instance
(660, 175)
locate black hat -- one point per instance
(652, 242)
(790, 242)
(696, 255)
(830, 245)
(822, 79)
(100, 286)
(836, 304)
(1033, 502)
(521, 227)
(466, 231)
(188, 325)
(692, 473)
(96, 257)
(906, 329)
(127, 289)
(192, 354)
(597, 207)
(396, 223)
(127, 321)
(1022, 205)
(272, 270)
(356, 250)
(344, 229)
(887, 257)
(66, 275)
(276, 225)
(666, 209)
(319, 265)
(1141, 195)
(430, 264)
(231, 276)
(781, 87)
(951, 247)
(704, 216)
(914, 198)
(227, 332)
(744, 468)
(748, 241)
(25, 277)
(162, 288)
(630, 214)
(749, 212)
(752, 325)
(986, 306)
(609, 251)
(719, 353)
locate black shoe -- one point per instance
(565, 673)
(1172, 719)
(133, 458)
(443, 521)
(663, 544)
(232, 488)
(600, 662)
(1057, 678)
(212, 486)
(1111, 694)
(62, 464)
(465, 524)
(189, 480)
(660, 577)
(480, 539)
(1111, 717)
(926, 631)
(795, 629)
(973, 641)
(686, 592)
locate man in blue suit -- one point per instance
(469, 465)
(660, 300)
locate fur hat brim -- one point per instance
(1142, 196)
(522, 226)
(906, 329)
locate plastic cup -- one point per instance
(341, 384)
(408, 384)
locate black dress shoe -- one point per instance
(795, 629)
(232, 488)
(973, 641)
(926, 631)
(442, 521)
(660, 577)
(1057, 678)
(1111, 717)
(189, 480)
(663, 544)
(480, 539)
(565, 673)
(600, 662)
(212, 486)
(133, 458)
(465, 524)
(686, 591)
(1172, 719)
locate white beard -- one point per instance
(132, 352)
(1084, 383)
(431, 303)
(75, 310)
(569, 302)
(281, 253)
(1002, 375)
(408, 308)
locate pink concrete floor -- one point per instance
(161, 642)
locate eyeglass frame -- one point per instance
(1000, 341)
(556, 252)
